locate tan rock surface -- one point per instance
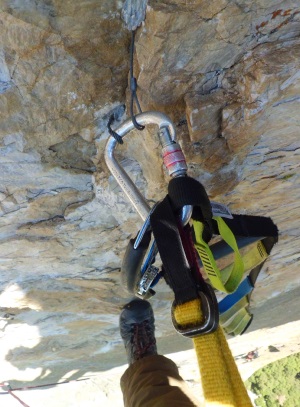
(227, 74)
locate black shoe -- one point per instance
(137, 330)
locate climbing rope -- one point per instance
(133, 97)
(9, 390)
(133, 87)
(114, 134)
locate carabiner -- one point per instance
(173, 158)
(139, 278)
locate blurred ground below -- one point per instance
(275, 324)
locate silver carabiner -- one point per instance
(139, 280)
(173, 158)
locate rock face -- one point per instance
(229, 77)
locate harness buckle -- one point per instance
(209, 307)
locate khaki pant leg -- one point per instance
(154, 381)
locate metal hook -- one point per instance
(138, 279)
(172, 154)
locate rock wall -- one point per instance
(227, 73)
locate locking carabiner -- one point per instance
(138, 278)
(172, 155)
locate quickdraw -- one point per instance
(179, 227)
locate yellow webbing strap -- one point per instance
(221, 381)
(255, 256)
(232, 311)
(238, 323)
(209, 263)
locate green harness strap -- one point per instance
(236, 271)
(235, 320)
(252, 258)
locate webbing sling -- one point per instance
(238, 318)
(182, 191)
(252, 258)
(234, 314)
(222, 384)
(210, 266)
(240, 225)
(176, 269)
(221, 381)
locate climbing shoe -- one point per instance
(137, 330)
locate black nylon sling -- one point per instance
(188, 191)
(247, 225)
(165, 231)
(182, 191)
